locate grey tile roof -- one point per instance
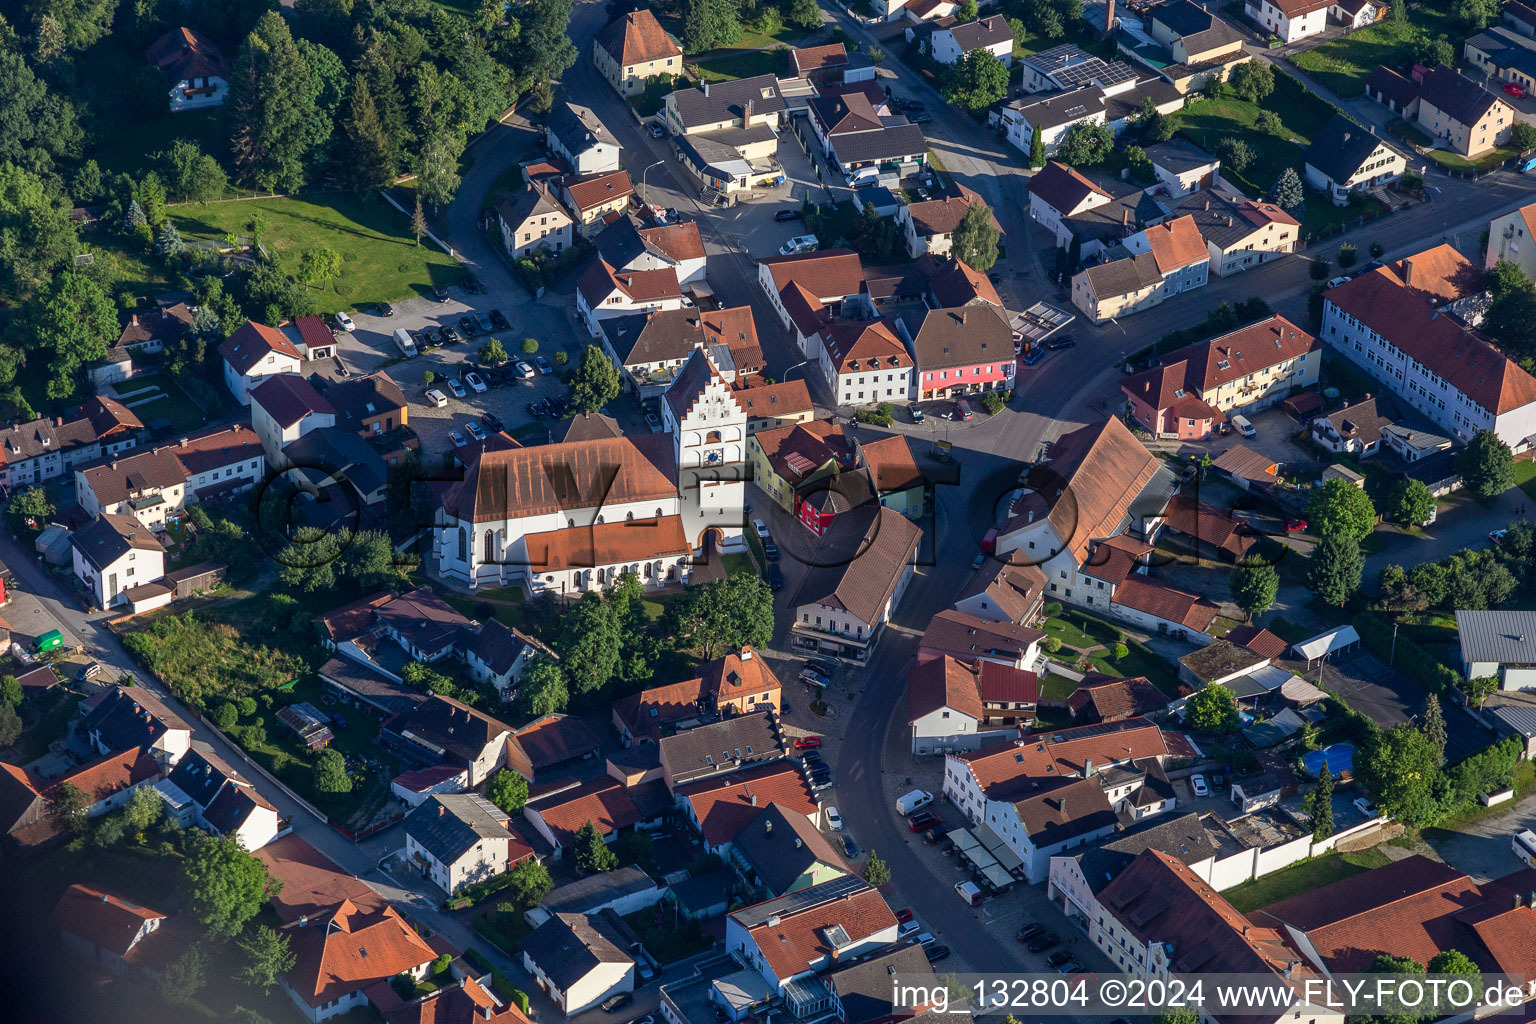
(1341, 147)
(725, 101)
(568, 947)
(577, 127)
(1506, 637)
(1178, 155)
(895, 139)
(721, 746)
(450, 824)
(585, 895)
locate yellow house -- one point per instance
(1455, 108)
(789, 457)
(590, 197)
(1119, 287)
(635, 49)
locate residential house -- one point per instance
(120, 718)
(1393, 323)
(1498, 645)
(1247, 468)
(1063, 67)
(714, 748)
(1210, 533)
(221, 800)
(963, 351)
(578, 961)
(603, 292)
(725, 132)
(973, 640)
(1356, 429)
(1447, 105)
(461, 838)
(608, 804)
(810, 288)
(1196, 387)
(345, 958)
(1512, 238)
(1183, 167)
(830, 65)
(635, 49)
(1003, 592)
(714, 107)
(1057, 192)
(1239, 233)
(534, 219)
(104, 784)
(1353, 14)
(623, 890)
(341, 466)
(253, 353)
(375, 407)
(793, 937)
(866, 145)
(592, 197)
(1164, 260)
(864, 363)
(782, 852)
(578, 136)
(929, 226)
(498, 654)
(114, 554)
(739, 683)
(1052, 116)
(284, 408)
(192, 63)
(1164, 609)
(860, 569)
(456, 735)
(1503, 55)
(113, 933)
(770, 406)
(944, 708)
(652, 348)
(1345, 158)
(1195, 43)
(510, 521)
(627, 244)
(547, 742)
(42, 449)
(465, 1003)
(146, 332)
(422, 623)
(721, 807)
(892, 468)
(952, 41)
(862, 992)
(1290, 20)
(787, 461)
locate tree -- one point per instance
(318, 265)
(68, 808)
(38, 125)
(168, 243)
(1320, 805)
(10, 725)
(507, 790)
(493, 352)
(1212, 710)
(1253, 80)
(1235, 153)
(1086, 144)
(143, 809)
(1319, 269)
(1453, 961)
(875, 871)
(1347, 253)
(804, 14)
(592, 854)
(182, 979)
(1486, 465)
(274, 114)
(331, 778)
(37, 236)
(1475, 15)
(1253, 585)
(1480, 689)
(1522, 136)
(589, 644)
(10, 691)
(543, 689)
(595, 382)
(545, 49)
(727, 614)
(437, 170)
(966, 11)
(977, 81)
(1335, 569)
(1036, 149)
(1506, 278)
(370, 159)
(28, 511)
(1287, 192)
(265, 956)
(75, 321)
(1433, 726)
(1410, 502)
(1268, 122)
(975, 240)
(226, 716)
(1400, 768)
(1340, 507)
(529, 884)
(1432, 51)
(709, 24)
(1390, 1008)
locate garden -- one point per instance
(1091, 644)
(1208, 122)
(379, 259)
(1303, 877)
(1344, 64)
(157, 396)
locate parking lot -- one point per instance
(1388, 698)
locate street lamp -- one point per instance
(646, 185)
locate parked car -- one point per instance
(1044, 942)
(456, 388)
(904, 916)
(474, 381)
(1034, 355)
(499, 320)
(1061, 956)
(449, 335)
(775, 577)
(1061, 343)
(980, 560)
(917, 414)
(770, 551)
(920, 117)
(1334, 282)
(1028, 932)
(468, 326)
(813, 677)
(476, 431)
(1198, 784)
(810, 757)
(807, 742)
(657, 131)
(457, 439)
(345, 323)
(385, 309)
(483, 322)
(492, 421)
(1069, 966)
(617, 1002)
(1515, 89)
(821, 782)
(90, 671)
(522, 370)
(834, 819)
(826, 666)
(785, 215)
(543, 365)
(962, 410)
(923, 820)
(936, 953)
(472, 285)
(1294, 525)
(799, 244)
(535, 409)
(436, 398)
(761, 528)
(851, 848)
(654, 422)
(440, 292)
(909, 803)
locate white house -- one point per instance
(192, 63)
(154, 487)
(460, 838)
(458, 734)
(578, 135)
(1499, 645)
(114, 554)
(341, 956)
(1345, 158)
(860, 570)
(944, 708)
(222, 801)
(253, 353)
(1065, 815)
(577, 961)
(865, 363)
(784, 939)
(808, 289)
(123, 717)
(604, 292)
(1290, 19)
(1057, 193)
(951, 43)
(707, 422)
(498, 654)
(283, 409)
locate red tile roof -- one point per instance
(1209, 524)
(892, 464)
(1207, 365)
(602, 801)
(1004, 684)
(1258, 640)
(787, 398)
(812, 58)
(314, 332)
(312, 882)
(351, 951)
(607, 544)
(107, 775)
(863, 346)
(942, 683)
(103, 919)
(638, 38)
(1064, 753)
(1177, 244)
(1115, 559)
(681, 241)
(593, 190)
(828, 274)
(791, 942)
(1165, 602)
(1112, 699)
(246, 347)
(726, 804)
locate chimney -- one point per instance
(767, 825)
(134, 319)
(1109, 17)
(1408, 273)
(485, 1011)
(1125, 218)
(754, 804)
(58, 421)
(185, 443)
(798, 843)
(1088, 768)
(1229, 220)
(441, 810)
(1207, 204)
(746, 653)
(706, 87)
(1519, 901)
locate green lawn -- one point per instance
(1525, 477)
(1054, 687)
(1074, 629)
(172, 403)
(743, 64)
(735, 563)
(380, 259)
(1321, 217)
(666, 943)
(1206, 122)
(1487, 162)
(1300, 878)
(1344, 64)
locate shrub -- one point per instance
(992, 401)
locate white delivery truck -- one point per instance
(1242, 426)
(915, 800)
(404, 342)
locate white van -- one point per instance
(970, 892)
(404, 342)
(1242, 426)
(913, 801)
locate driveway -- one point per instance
(1482, 848)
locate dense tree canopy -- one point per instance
(225, 884)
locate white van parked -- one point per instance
(915, 800)
(404, 342)
(1242, 426)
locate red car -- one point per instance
(1515, 90)
(922, 821)
(807, 742)
(903, 915)
(1292, 525)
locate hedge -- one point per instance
(504, 988)
(1410, 658)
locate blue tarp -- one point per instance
(1340, 758)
